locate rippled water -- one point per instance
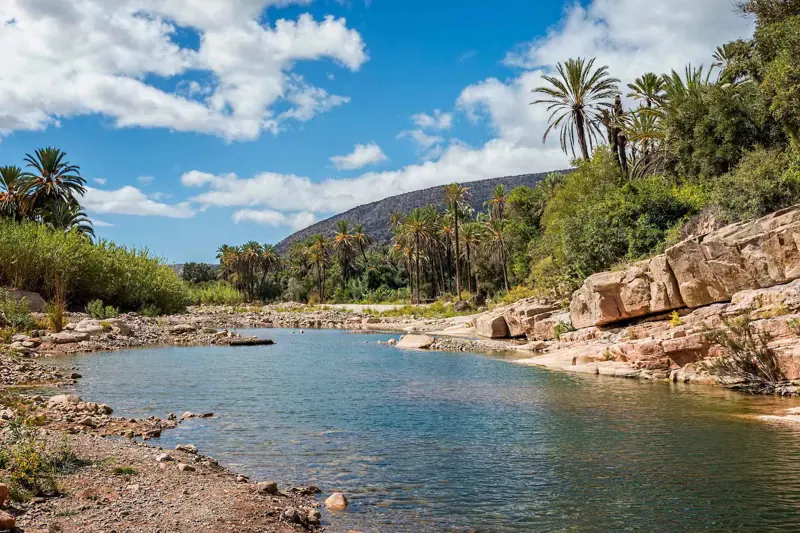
(457, 442)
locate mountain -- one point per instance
(375, 216)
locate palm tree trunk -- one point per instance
(469, 271)
(581, 127)
(505, 269)
(449, 284)
(458, 263)
(416, 259)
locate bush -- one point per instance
(37, 258)
(55, 311)
(748, 362)
(96, 309)
(17, 312)
(215, 293)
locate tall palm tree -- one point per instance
(648, 89)
(455, 196)
(497, 202)
(495, 242)
(68, 216)
(318, 256)
(446, 234)
(472, 234)
(52, 179)
(574, 99)
(361, 240)
(13, 192)
(270, 260)
(343, 248)
(677, 88)
(416, 231)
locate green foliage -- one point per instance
(764, 181)
(198, 273)
(437, 309)
(55, 312)
(37, 258)
(17, 312)
(97, 310)
(561, 328)
(675, 320)
(150, 310)
(215, 293)
(125, 471)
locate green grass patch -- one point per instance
(215, 293)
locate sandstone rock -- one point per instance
(336, 502)
(371, 320)
(179, 329)
(415, 342)
(7, 522)
(35, 302)
(314, 517)
(163, 458)
(68, 337)
(521, 317)
(3, 493)
(186, 468)
(491, 326)
(68, 401)
(188, 448)
(90, 326)
(7, 414)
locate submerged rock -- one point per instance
(336, 502)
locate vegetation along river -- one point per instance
(426, 441)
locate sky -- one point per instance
(205, 122)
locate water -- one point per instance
(438, 442)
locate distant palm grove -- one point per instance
(665, 156)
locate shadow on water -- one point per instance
(427, 441)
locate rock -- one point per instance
(336, 502)
(392, 342)
(179, 329)
(7, 522)
(314, 517)
(183, 467)
(188, 448)
(252, 341)
(3, 493)
(698, 271)
(241, 479)
(68, 337)
(491, 326)
(35, 302)
(521, 317)
(267, 487)
(91, 327)
(415, 342)
(545, 327)
(69, 401)
(7, 414)
(461, 306)
(164, 457)
(371, 320)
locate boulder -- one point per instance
(336, 502)
(179, 329)
(164, 458)
(188, 448)
(69, 401)
(491, 326)
(698, 271)
(3, 493)
(521, 317)
(267, 487)
(91, 327)
(415, 342)
(68, 337)
(7, 522)
(183, 467)
(546, 325)
(35, 302)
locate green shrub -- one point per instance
(96, 309)
(150, 311)
(55, 311)
(198, 273)
(37, 258)
(561, 328)
(215, 293)
(125, 471)
(17, 312)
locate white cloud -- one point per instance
(97, 223)
(423, 140)
(145, 180)
(436, 121)
(127, 56)
(101, 181)
(361, 156)
(268, 217)
(131, 201)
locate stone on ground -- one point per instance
(336, 502)
(491, 326)
(416, 342)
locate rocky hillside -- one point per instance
(375, 216)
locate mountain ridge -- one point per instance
(375, 215)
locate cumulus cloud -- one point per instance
(268, 217)
(361, 156)
(129, 200)
(436, 121)
(128, 56)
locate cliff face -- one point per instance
(698, 271)
(375, 216)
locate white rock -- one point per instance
(336, 502)
(415, 342)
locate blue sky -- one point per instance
(202, 122)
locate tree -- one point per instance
(416, 231)
(574, 99)
(198, 273)
(318, 256)
(343, 248)
(361, 240)
(648, 89)
(68, 216)
(53, 179)
(497, 202)
(13, 192)
(472, 234)
(496, 244)
(455, 195)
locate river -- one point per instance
(444, 442)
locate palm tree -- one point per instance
(649, 89)
(270, 260)
(318, 256)
(497, 203)
(495, 242)
(472, 235)
(53, 179)
(455, 196)
(361, 240)
(343, 247)
(416, 231)
(68, 216)
(574, 99)
(12, 192)
(676, 89)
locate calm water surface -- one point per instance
(430, 442)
